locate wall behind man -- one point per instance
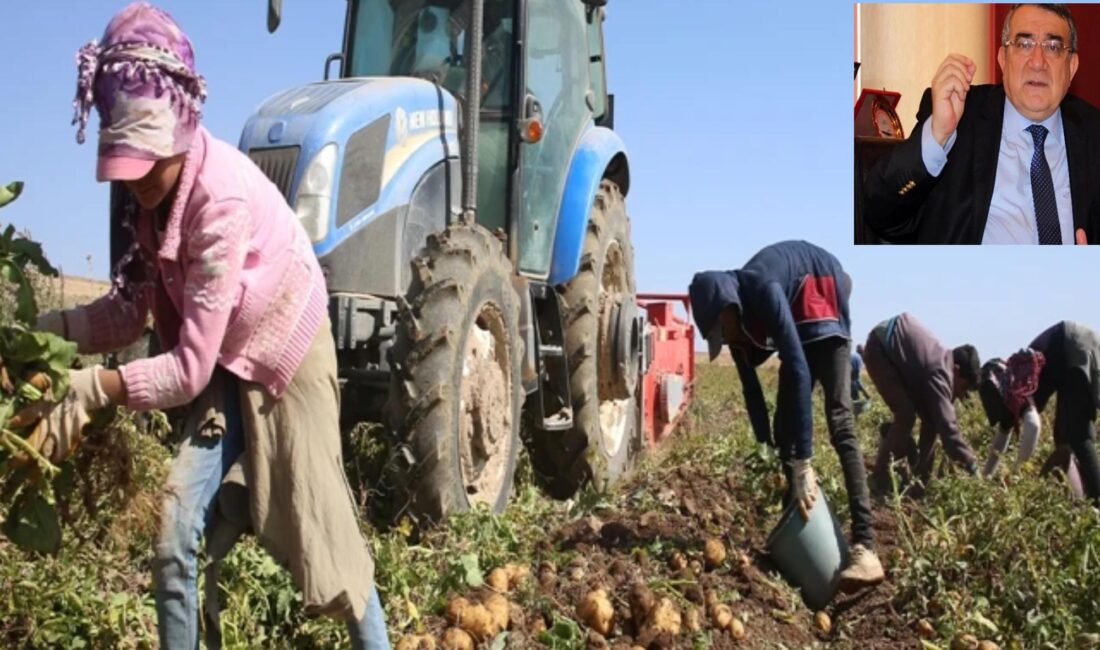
(1087, 82)
(900, 47)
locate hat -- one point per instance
(143, 83)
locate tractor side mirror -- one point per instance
(274, 15)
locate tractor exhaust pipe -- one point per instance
(472, 115)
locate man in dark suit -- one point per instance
(1018, 163)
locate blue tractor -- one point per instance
(463, 189)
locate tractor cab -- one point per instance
(542, 83)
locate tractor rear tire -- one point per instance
(604, 440)
(456, 391)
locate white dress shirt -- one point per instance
(1012, 210)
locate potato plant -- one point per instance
(34, 365)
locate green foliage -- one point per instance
(32, 519)
(1013, 559)
(10, 192)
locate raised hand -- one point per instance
(949, 88)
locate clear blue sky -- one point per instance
(737, 116)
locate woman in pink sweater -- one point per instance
(239, 303)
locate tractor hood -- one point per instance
(372, 140)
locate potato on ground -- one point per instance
(737, 629)
(499, 610)
(417, 642)
(693, 619)
(823, 623)
(517, 574)
(664, 618)
(596, 612)
(714, 552)
(498, 580)
(474, 619)
(456, 639)
(721, 616)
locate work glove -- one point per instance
(805, 487)
(62, 427)
(1030, 427)
(52, 322)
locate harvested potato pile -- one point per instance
(482, 621)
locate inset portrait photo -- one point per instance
(977, 124)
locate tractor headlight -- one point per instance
(313, 204)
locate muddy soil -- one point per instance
(637, 542)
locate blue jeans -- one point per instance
(188, 507)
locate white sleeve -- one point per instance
(1029, 437)
(996, 450)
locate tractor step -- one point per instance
(552, 399)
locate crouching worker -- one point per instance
(1006, 392)
(239, 303)
(1064, 359)
(917, 376)
(792, 297)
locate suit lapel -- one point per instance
(1077, 157)
(987, 148)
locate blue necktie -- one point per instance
(1042, 190)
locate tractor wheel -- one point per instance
(456, 391)
(600, 340)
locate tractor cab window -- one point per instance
(428, 39)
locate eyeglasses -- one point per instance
(1051, 48)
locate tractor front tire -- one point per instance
(456, 393)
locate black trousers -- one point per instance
(830, 365)
(1074, 425)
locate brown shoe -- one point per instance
(863, 570)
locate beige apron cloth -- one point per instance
(299, 503)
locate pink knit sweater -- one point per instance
(238, 285)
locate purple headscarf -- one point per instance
(142, 80)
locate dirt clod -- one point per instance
(597, 641)
(642, 601)
(925, 629)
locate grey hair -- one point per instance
(1060, 10)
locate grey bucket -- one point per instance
(810, 554)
